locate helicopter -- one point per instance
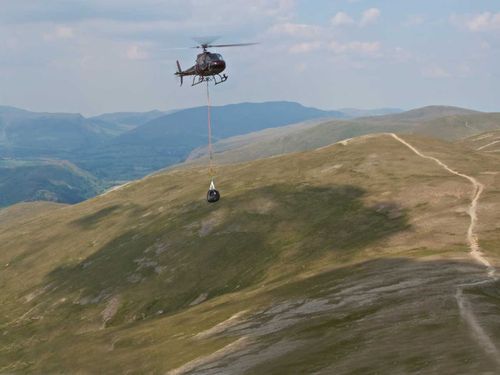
(208, 65)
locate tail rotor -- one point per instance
(179, 72)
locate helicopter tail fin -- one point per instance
(179, 71)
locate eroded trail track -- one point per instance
(466, 310)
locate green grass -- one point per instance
(436, 122)
(288, 231)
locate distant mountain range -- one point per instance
(30, 134)
(128, 145)
(116, 147)
(169, 139)
(121, 122)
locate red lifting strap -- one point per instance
(210, 152)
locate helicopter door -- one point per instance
(202, 62)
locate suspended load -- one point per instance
(212, 195)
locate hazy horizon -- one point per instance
(254, 102)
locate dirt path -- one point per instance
(114, 188)
(469, 127)
(464, 306)
(235, 346)
(487, 145)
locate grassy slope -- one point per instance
(485, 142)
(459, 126)
(446, 123)
(251, 139)
(50, 180)
(20, 213)
(325, 257)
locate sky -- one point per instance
(96, 56)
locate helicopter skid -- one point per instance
(216, 78)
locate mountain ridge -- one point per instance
(427, 121)
(117, 152)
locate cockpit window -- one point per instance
(214, 57)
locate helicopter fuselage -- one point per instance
(207, 64)
(208, 67)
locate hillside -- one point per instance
(457, 123)
(126, 145)
(122, 122)
(242, 141)
(355, 112)
(117, 147)
(346, 259)
(25, 134)
(459, 126)
(39, 134)
(46, 180)
(485, 142)
(169, 139)
(20, 213)
(428, 113)
(108, 155)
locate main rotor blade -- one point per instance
(206, 40)
(174, 48)
(231, 45)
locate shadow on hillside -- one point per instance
(92, 220)
(361, 316)
(166, 263)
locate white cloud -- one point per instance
(296, 30)
(435, 71)
(135, 52)
(64, 32)
(464, 70)
(369, 16)
(146, 10)
(400, 55)
(366, 48)
(305, 47)
(414, 20)
(486, 21)
(341, 19)
(301, 67)
(9, 42)
(60, 32)
(485, 46)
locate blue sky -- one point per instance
(97, 56)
